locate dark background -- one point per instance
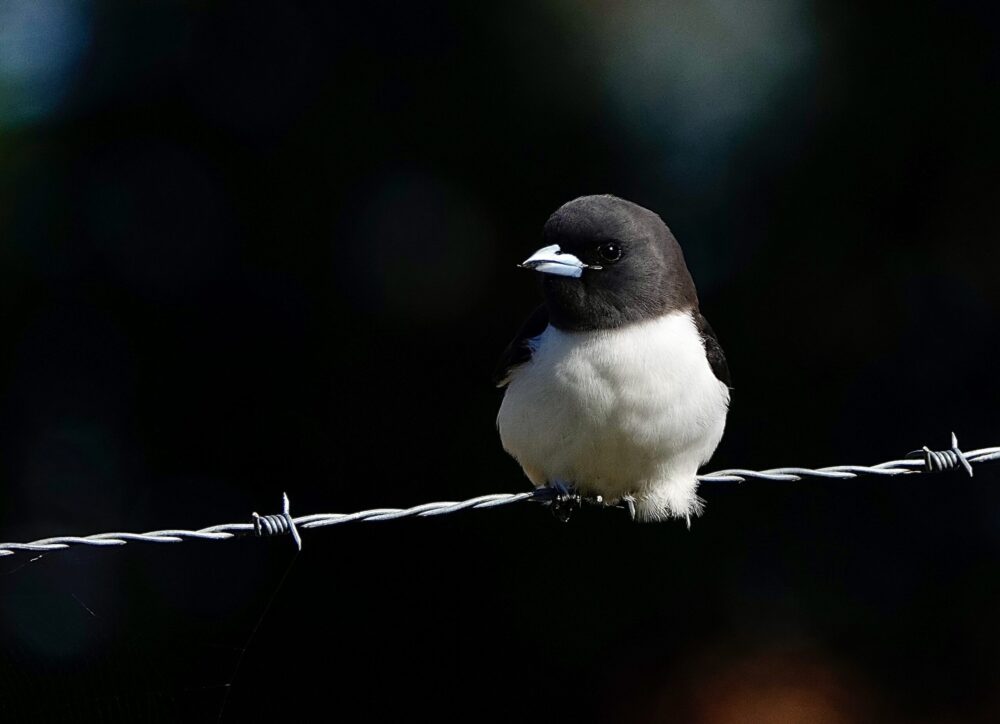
(249, 248)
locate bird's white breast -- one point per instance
(630, 411)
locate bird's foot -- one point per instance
(561, 488)
(563, 499)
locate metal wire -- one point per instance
(283, 523)
(946, 459)
(264, 525)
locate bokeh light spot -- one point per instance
(41, 43)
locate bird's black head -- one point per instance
(608, 262)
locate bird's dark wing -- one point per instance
(519, 351)
(713, 350)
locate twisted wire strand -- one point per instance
(283, 523)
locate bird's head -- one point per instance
(607, 262)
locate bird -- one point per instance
(616, 385)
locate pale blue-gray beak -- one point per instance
(551, 260)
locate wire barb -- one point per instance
(940, 460)
(283, 522)
(267, 525)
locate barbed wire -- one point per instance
(920, 461)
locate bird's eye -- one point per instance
(610, 252)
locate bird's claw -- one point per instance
(564, 500)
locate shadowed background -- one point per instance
(250, 248)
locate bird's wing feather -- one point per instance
(713, 350)
(519, 350)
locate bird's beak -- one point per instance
(551, 260)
